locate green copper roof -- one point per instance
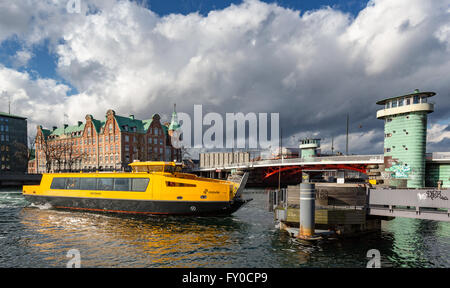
(98, 124)
(165, 129)
(68, 130)
(131, 123)
(174, 125)
(416, 93)
(46, 132)
(147, 123)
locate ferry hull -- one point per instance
(200, 208)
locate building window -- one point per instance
(110, 128)
(117, 137)
(127, 138)
(156, 131)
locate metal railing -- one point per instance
(377, 158)
(429, 204)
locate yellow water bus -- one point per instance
(151, 188)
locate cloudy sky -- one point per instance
(311, 61)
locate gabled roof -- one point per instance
(147, 124)
(131, 123)
(98, 124)
(46, 132)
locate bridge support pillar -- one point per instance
(307, 211)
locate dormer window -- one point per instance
(125, 127)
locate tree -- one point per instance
(72, 155)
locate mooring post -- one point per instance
(307, 210)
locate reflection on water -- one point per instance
(117, 240)
(34, 237)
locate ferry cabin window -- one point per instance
(394, 103)
(139, 184)
(105, 184)
(88, 184)
(179, 184)
(416, 100)
(122, 184)
(72, 183)
(58, 183)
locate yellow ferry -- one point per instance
(151, 188)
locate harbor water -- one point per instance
(42, 237)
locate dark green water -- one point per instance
(40, 237)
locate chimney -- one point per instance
(132, 117)
(80, 123)
(54, 128)
(66, 125)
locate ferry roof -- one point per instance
(416, 93)
(153, 163)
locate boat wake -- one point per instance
(12, 200)
(45, 206)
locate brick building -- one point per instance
(109, 144)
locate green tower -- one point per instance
(309, 148)
(405, 135)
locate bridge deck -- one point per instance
(332, 160)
